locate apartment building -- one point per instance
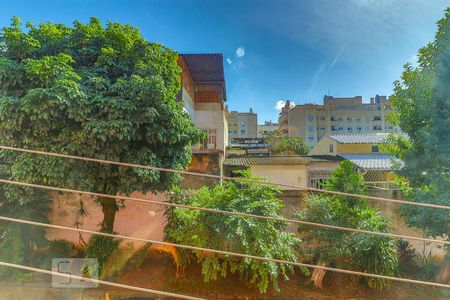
(242, 125)
(335, 116)
(266, 128)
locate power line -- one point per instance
(298, 264)
(97, 281)
(297, 187)
(66, 190)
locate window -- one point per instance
(212, 137)
(377, 127)
(333, 128)
(322, 118)
(333, 119)
(322, 129)
(377, 118)
(340, 128)
(358, 128)
(375, 148)
(349, 120)
(358, 120)
(242, 131)
(310, 138)
(310, 118)
(340, 119)
(310, 128)
(331, 148)
(350, 128)
(210, 141)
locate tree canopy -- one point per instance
(286, 145)
(95, 91)
(421, 103)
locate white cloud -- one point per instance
(229, 61)
(336, 58)
(240, 52)
(280, 104)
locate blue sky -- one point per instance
(274, 50)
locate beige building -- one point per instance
(296, 170)
(242, 125)
(335, 116)
(267, 127)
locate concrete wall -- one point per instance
(286, 174)
(211, 116)
(137, 219)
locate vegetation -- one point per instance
(286, 145)
(422, 110)
(232, 233)
(87, 90)
(360, 252)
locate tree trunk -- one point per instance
(109, 209)
(318, 275)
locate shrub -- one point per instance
(251, 236)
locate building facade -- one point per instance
(242, 125)
(203, 93)
(266, 128)
(335, 116)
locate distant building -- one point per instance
(242, 125)
(363, 150)
(266, 128)
(203, 93)
(335, 116)
(247, 146)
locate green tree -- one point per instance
(286, 145)
(94, 91)
(421, 103)
(233, 233)
(360, 252)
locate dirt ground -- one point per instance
(158, 272)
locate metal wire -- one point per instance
(65, 190)
(296, 187)
(97, 281)
(298, 264)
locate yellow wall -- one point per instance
(323, 147)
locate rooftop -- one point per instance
(374, 161)
(279, 160)
(359, 138)
(205, 67)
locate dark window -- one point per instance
(375, 148)
(331, 148)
